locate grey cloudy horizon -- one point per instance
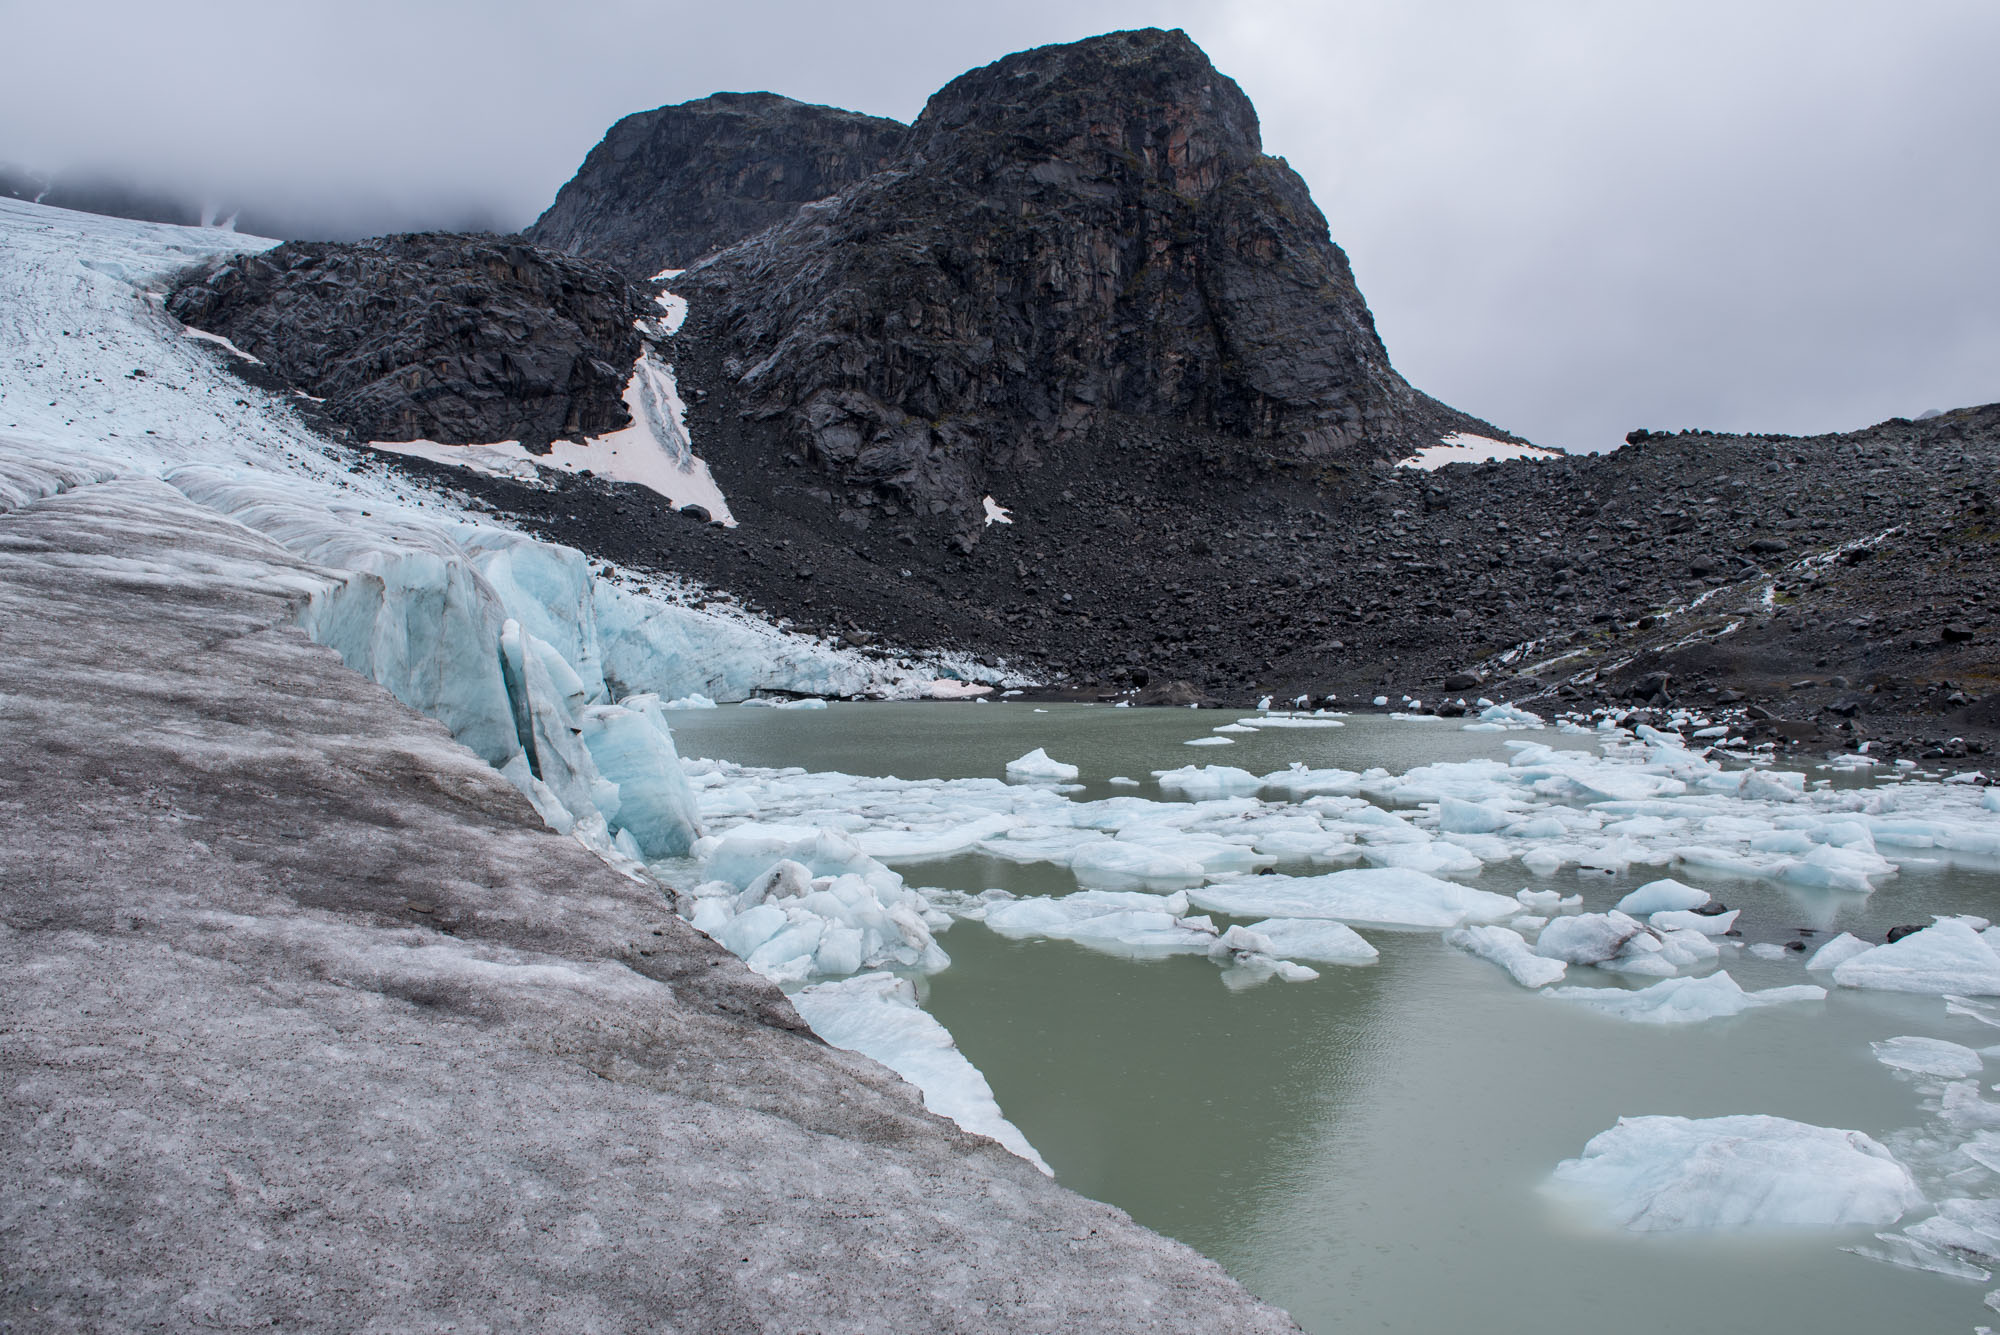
(1569, 218)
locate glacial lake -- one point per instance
(1368, 1149)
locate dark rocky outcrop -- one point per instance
(1078, 241)
(668, 186)
(432, 336)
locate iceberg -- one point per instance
(1038, 766)
(1732, 1174)
(1684, 1000)
(1662, 896)
(1838, 951)
(1207, 781)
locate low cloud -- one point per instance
(1570, 218)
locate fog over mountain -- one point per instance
(1570, 220)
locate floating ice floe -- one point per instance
(1319, 940)
(1262, 721)
(1134, 925)
(1662, 896)
(1732, 1174)
(1384, 897)
(1946, 957)
(1837, 952)
(1928, 1056)
(1039, 765)
(1199, 781)
(1506, 948)
(1684, 1000)
(876, 1015)
(1960, 1241)
(1112, 864)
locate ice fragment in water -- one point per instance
(1387, 896)
(1038, 765)
(1317, 939)
(1838, 951)
(1506, 948)
(1684, 1000)
(1947, 956)
(1729, 1174)
(1116, 865)
(1928, 1056)
(1661, 895)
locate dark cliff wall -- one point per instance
(666, 187)
(432, 336)
(1072, 232)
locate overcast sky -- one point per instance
(1570, 217)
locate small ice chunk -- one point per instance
(1662, 895)
(1542, 861)
(1838, 951)
(1588, 938)
(1319, 939)
(1457, 816)
(1685, 1000)
(1983, 1011)
(1209, 741)
(1708, 924)
(1968, 1228)
(1128, 924)
(1039, 765)
(1206, 781)
(1728, 1174)
(1506, 948)
(1928, 1056)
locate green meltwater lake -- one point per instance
(1374, 1148)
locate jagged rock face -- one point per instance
(1073, 231)
(668, 186)
(432, 336)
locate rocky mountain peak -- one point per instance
(1148, 98)
(1080, 243)
(667, 186)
